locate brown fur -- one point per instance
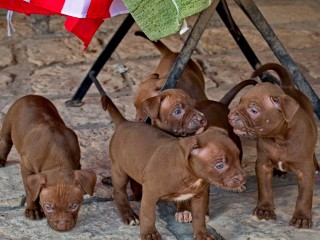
(281, 118)
(174, 111)
(49, 159)
(191, 80)
(216, 113)
(151, 157)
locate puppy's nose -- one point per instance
(63, 225)
(234, 119)
(241, 177)
(233, 115)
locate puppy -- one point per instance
(281, 118)
(216, 113)
(49, 160)
(191, 81)
(169, 168)
(174, 111)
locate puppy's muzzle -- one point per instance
(196, 124)
(62, 224)
(241, 124)
(238, 180)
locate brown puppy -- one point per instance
(191, 81)
(281, 118)
(169, 168)
(216, 114)
(50, 161)
(174, 111)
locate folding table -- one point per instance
(221, 6)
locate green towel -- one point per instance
(161, 18)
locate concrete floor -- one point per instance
(43, 58)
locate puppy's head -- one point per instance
(60, 194)
(264, 111)
(214, 157)
(173, 111)
(149, 87)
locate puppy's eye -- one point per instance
(177, 111)
(219, 166)
(48, 207)
(254, 111)
(74, 206)
(275, 100)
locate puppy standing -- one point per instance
(175, 112)
(168, 168)
(282, 119)
(49, 160)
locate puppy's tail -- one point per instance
(163, 49)
(226, 100)
(107, 103)
(285, 78)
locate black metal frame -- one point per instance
(255, 16)
(100, 62)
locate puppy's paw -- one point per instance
(183, 217)
(153, 235)
(130, 218)
(266, 214)
(2, 163)
(186, 217)
(203, 236)
(33, 214)
(301, 222)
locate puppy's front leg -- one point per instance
(302, 215)
(5, 144)
(265, 206)
(183, 213)
(33, 210)
(148, 229)
(199, 205)
(120, 180)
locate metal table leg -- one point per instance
(189, 46)
(101, 60)
(255, 16)
(237, 35)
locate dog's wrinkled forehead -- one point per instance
(174, 95)
(62, 194)
(263, 89)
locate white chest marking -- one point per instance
(196, 183)
(280, 166)
(184, 197)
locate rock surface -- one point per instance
(43, 58)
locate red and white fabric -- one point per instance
(83, 17)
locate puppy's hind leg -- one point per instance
(120, 180)
(5, 142)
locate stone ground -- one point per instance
(43, 58)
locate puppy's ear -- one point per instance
(151, 106)
(153, 76)
(286, 105)
(104, 102)
(86, 179)
(34, 183)
(189, 146)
